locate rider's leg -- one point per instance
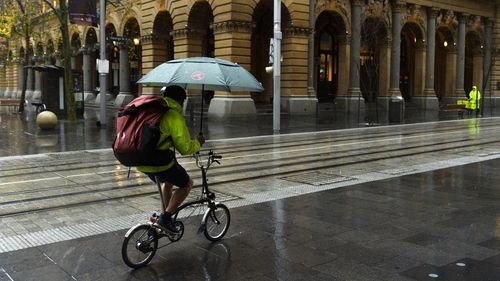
(178, 197)
(166, 191)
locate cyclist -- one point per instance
(174, 135)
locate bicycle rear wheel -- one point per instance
(216, 222)
(139, 246)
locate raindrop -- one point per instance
(432, 275)
(460, 264)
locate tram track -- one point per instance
(37, 167)
(266, 167)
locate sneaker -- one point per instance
(166, 222)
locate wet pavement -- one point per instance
(417, 201)
(443, 223)
(19, 134)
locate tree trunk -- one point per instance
(25, 70)
(68, 75)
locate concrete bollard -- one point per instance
(46, 120)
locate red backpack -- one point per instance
(138, 133)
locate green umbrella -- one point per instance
(203, 73)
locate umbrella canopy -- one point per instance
(202, 73)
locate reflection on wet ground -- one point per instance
(19, 135)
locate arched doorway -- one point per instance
(163, 43)
(262, 33)
(411, 60)
(90, 43)
(373, 42)
(132, 32)
(329, 27)
(444, 45)
(473, 75)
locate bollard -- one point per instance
(46, 120)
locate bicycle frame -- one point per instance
(207, 196)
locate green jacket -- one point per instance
(474, 98)
(174, 134)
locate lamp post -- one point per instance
(276, 66)
(102, 69)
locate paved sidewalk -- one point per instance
(439, 225)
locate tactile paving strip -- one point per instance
(317, 178)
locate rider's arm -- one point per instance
(181, 138)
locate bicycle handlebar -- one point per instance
(212, 157)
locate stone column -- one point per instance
(487, 67)
(88, 92)
(186, 46)
(354, 90)
(149, 47)
(124, 96)
(343, 68)
(232, 43)
(8, 78)
(429, 99)
(451, 67)
(20, 79)
(459, 88)
(29, 84)
(395, 50)
(37, 93)
(310, 50)
(396, 102)
(295, 99)
(14, 79)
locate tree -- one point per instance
(61, 14)
(26, 9)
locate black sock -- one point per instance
(167, 215)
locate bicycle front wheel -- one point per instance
(139, 246)
(216, 222)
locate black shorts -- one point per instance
(175, 175)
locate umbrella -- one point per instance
(202, 73)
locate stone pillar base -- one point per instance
(426, 102)
(490, 102)
(13, 94)
(383, 102)
(123, 99)
(109, 99)
(88, 97)
(29, 97)
(222, 107)
(7, 93)
(350, 104)
(300, 105)
(37, 96)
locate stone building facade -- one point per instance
(351, 52)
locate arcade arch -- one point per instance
(412, 61)
(373, 58)
(262, 21)
(445, 62)
(330, 55)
